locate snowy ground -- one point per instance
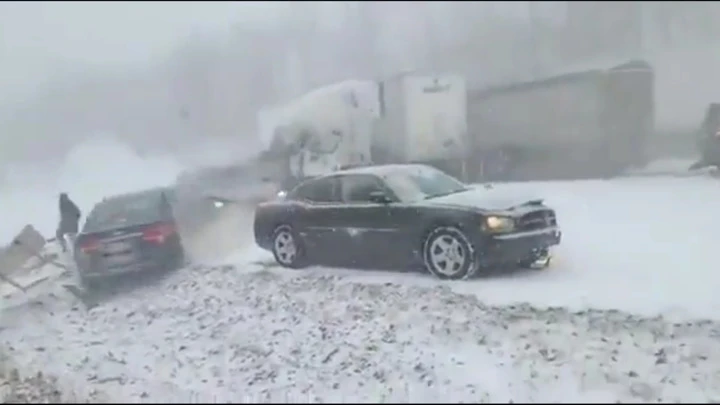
(229, 334)
(241, 331)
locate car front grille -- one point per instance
(537, 220)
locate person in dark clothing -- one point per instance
(69, 220)
(709, 139)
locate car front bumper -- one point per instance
(519, 246)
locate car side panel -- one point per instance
(318, 228)
(395, 240)
(391, 235)
(362, 232)
(314, 223)
(418, 221)
(270, 215)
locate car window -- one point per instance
(320, 190)
(357, 187)
(127, 211)
(421, 182)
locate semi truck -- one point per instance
(583, 124)
(422, 119)
(410, 117)
(322, 131)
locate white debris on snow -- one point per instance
(225, 334)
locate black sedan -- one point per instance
(400, 216)
(129, 233)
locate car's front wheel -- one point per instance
(448, 254)
(287, 247)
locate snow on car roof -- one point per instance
(150, 193)
(381, 169)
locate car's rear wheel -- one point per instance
(92, 283)
(448, 254)
(179, 259)
(287, 247)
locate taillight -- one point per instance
(89, 245)
(158, 233)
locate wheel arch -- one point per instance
(443, 227)
(455, 219)
(299, 259)
(268, 218)
(436, 223)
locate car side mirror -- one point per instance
(379, 197)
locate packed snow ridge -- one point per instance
(262, 334)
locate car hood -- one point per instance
(484, 199)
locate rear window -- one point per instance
(125, 211)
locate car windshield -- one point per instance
(421, 183)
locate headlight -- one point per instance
(281, 194)
(218, 204)
(495, 223)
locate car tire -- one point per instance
(287, 248)
(540, 259)
(92, 283)
(179, 258)
(448, 254)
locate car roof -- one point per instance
(378, 170)
(135, 195)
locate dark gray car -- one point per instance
(128, 233)
(398, 216)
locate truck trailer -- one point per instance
(584, 124)
(422, 119)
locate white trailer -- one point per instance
(581, 124)
(423, 119)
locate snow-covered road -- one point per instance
(240, 331)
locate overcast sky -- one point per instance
(39, 39)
